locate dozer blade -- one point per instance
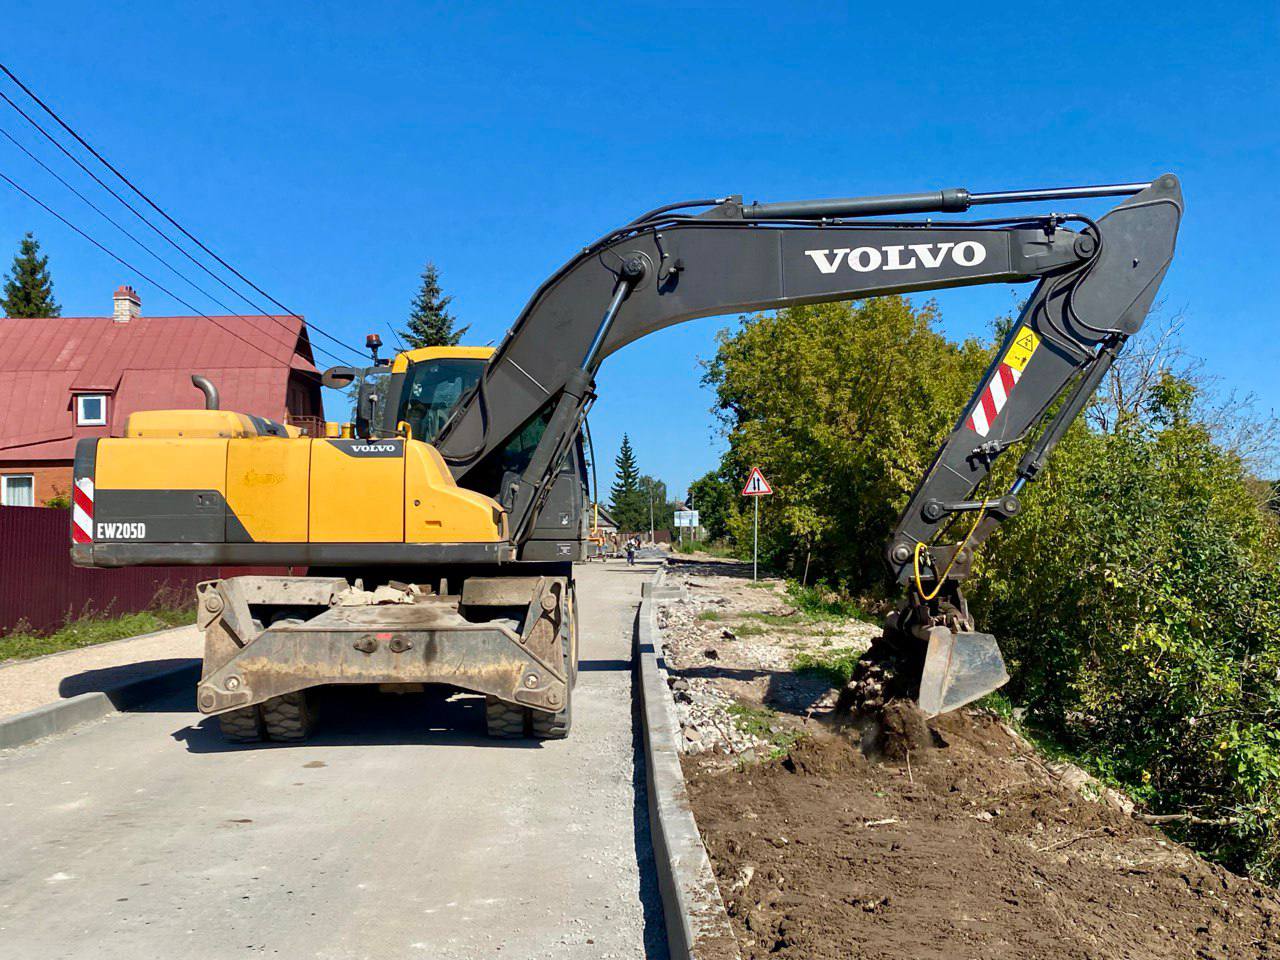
(958, 669)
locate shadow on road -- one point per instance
(357, 716)
(788, 691)
(649, 891)
(108, 679)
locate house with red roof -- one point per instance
(63, 378)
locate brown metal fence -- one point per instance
(40, 587)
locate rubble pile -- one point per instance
(730, 649)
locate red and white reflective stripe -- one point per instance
(993, 399)
(82, 511)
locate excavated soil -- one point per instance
(954, 840)
(968, 846)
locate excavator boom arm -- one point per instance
(1095, 282)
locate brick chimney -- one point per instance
(128, 305)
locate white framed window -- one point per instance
(91, 409)
(18, 490)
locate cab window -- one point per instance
(431, 390)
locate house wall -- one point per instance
(303, 399)
(52, 478)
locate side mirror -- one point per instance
(338, 378)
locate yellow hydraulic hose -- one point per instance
(959, 550)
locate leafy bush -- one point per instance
(823, 603)
(1136, 601)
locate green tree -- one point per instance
(841, 406)
(628, 502)
(430, 322)
(715, 499)
(654, 492)
(1135, 601)
(28, 288)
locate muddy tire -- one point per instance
(504, 721)
(288, 718)
(571, 636)
(241, 726)
(556, 726)
(552, 726)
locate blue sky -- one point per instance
(327, 150)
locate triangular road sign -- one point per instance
(757, 485)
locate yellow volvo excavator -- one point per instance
(440, 528)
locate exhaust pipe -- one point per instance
(208, 389)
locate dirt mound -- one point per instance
(965, 847)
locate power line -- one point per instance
(31, 120)
(128, 266)
(53, 173)
(127, 182)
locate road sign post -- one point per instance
(756, 487)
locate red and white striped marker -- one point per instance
(993, 399)
(82, 511)
(995, 394)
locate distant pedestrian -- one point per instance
(631, 552)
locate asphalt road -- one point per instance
(399, 831)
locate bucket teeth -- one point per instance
(958, 669)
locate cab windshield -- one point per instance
(431, 390)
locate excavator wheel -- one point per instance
(241, 726)
(556, 726)
(572, 619)
(504, 721)
(553, 726)
(288, 718)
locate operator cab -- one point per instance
(434, 380)
(419, 388)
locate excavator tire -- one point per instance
(553, 726)
(572, 619)
(288, 718)
(241, 726)
(556, 726)
(504, 721)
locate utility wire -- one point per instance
(127, 265)
(137, 213)
(53, 173)
(31, 120)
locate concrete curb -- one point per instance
(63, 715)
(695, 916)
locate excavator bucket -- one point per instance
(958, 669)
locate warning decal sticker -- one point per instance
(1023, 346)
(995, 394)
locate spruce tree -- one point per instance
(430, 322)
(28, 288)
(627, 500)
